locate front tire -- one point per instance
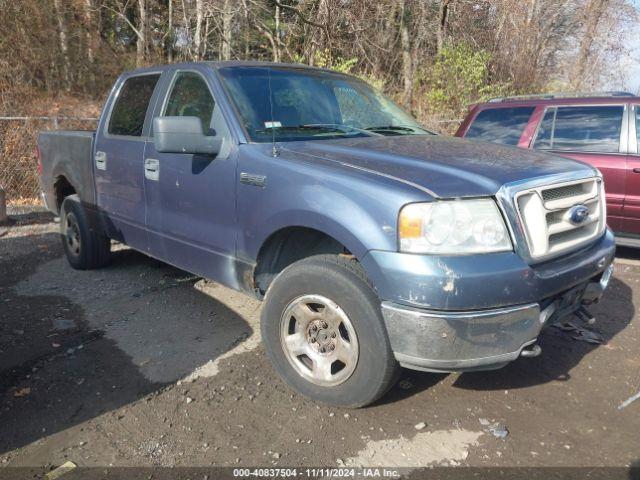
(85, 246)
(323, 331)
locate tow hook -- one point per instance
(583, 314)
(531, 351)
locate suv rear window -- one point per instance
(581, 129)
(500, 125)
(130, 110)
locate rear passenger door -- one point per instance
(593, 134)
(631, 210)
(118, 156)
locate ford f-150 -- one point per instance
(374, 243)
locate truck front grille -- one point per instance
(562, 192)
(561, 217)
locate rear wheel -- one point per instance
(324, 333)
(85, 246)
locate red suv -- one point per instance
(601, 129)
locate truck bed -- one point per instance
(66, 154)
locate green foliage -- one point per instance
(323, 59)
(459, 76)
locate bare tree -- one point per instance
(526, 46)
(443, 13)
(63, 42)
(407, 60)
(169, 41)
(594, 11)
(90, 29)
(141, 31)
(227, 24)
(197, 36)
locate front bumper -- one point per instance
(481, 282)
(446, 341)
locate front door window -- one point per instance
(190, 97)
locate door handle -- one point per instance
(101, 160)
(152, 169)
(636, 170)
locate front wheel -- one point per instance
(324, 333)
(84, 245)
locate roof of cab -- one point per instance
(224, 64)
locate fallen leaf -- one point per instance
(23, 392)
(66, 467)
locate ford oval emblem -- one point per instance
(578, 214)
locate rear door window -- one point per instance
(581, 129)
(500, 125)
(130, 109)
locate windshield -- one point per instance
(311, 105)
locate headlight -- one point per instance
(453, 227)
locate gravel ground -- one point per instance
(140, 364)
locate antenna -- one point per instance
(274, 150)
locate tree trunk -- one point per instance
(169, 42)
(90, 39)
(63, 43)
(197, 40)
(276, 45)
(407, 62)
(441, 34)
(89, 36)
(246, 29)
(141, 44)
(205, 37)
(227, 23)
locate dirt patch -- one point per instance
(441, 447)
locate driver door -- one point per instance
(191, 216)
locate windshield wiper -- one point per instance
(398, 128)
(330, 127)
(342, 128)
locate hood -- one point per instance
(446, 166)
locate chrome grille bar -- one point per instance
(558, 218)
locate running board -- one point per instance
(628, 241)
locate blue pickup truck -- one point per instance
(374, 243)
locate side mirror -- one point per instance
(183, 135)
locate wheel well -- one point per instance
(62, 189)
(287, 246)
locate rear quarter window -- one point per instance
(581, 129)
(500, 125)
(130, 109)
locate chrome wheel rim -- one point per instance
(72, 234)
(319, 340)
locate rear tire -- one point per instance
(84, 244)
(324, 333)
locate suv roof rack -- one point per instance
(552, 96)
